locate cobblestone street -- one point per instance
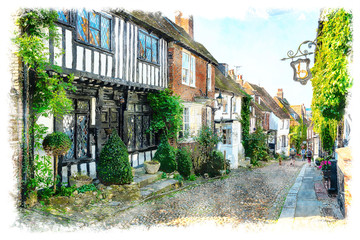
(247, 197)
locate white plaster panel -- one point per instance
(68, 49)
(73, 169)
(141, 158)
(79, 58)
(110, 59)
(148, 155)
(134, 160)
(103, 64)
(96, 62)
(83, 168)
(57, 51)
(121, 48)
(64, 174)
(88, 60)
(116, 47)
(92, 167)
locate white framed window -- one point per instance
(226, 131)
(188, 69)
(209, 69)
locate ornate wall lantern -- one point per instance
(301, 67)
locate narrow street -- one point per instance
(247, 198)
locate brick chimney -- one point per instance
(232, 74)
(186, 22)
(280, 93)
(239, 79)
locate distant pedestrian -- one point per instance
(292, 155)
(303, 151)
(309, 155)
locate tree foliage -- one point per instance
(331, 80)
(298, 134)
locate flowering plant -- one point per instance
(325, 165)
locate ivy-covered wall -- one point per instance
(331, 80)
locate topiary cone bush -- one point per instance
(166, 156)
(113, 167)
(56, 143)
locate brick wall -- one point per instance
(16, 123)
(187, 93)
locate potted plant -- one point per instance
(79, 180)
(325, 166)
(151, 167)
(56, 143)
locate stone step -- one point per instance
(160, 186)
(145, 179)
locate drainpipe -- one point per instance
(231, 104)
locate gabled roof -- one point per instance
(286, 107)
(228, 84)
(269, 101)
(161, 25)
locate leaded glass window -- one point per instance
(76, 126)
(137, 125)
(64, 16)
(148, 47)
(94, 28)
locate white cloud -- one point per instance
(302, 17)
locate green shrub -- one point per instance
(166, 156)
(214, 164)
(113, 166)
(192, 177)
(184, 162)
(203, 152)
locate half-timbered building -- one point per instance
(116, 60)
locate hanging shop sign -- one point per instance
(301, 66)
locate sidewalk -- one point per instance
(307, 205)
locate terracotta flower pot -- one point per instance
(151, 167)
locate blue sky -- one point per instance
(257, 41)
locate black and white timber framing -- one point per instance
(112, 86)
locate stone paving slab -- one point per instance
(158, 187)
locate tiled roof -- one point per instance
(287, 108)
(163, 26)
(270, 102)
(228, 84)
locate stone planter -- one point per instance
(151, 167)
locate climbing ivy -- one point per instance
(47, 93)
(331, 80)
(245, 122)
(167, 113)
